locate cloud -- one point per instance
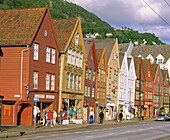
(141, 15)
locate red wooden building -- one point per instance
(137, 62)
(29, 66)
(90, 80)
(165, 98)
(148, 96)
(157, 93)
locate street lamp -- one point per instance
(1, 110)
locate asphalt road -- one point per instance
(132, 132)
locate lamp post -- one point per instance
(1, 110)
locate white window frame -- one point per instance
(92, 92)
(47, 81)
(67, 80)
(94, 76)
(35, 80)
(88, 93)
(85, 91)
(81, 60)
(69, 56)
(36, 47)
(73, 57)
(160, 60)
(77, 58)
(53, 56)
(77, 39)
(48, 54)
(79, 83)
(52, 81)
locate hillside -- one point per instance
(90, 22)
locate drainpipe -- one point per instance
(22, 70)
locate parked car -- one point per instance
(161, 117)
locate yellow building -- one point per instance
(71, 65)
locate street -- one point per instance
(132, 132)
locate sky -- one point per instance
(151, 16)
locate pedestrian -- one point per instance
(101, 116)
(54, 117)
(91, 116)
(43, 116)
(71, 113)
(120, 116)
(60, 115)
(142, 115)
(50, 118)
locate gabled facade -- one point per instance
(72, 66)
(165, 91)
(101, 81)
(131, 89)
(29, 67)
(139, 69)
(158, 84)
(90, 81)
(148, 96)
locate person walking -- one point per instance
(101, 116)
(120, 116)
(71, 113)
(142, 115)
(91, 116)
(54, 117)
(60, 114)
(43, 116)
(50, 118)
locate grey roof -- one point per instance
(129, 61)
(123, 47)
(154, 50)
(100, 44)
(121, 56)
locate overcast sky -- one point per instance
(151, 16)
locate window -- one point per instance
(158, 78)
(77, 59)
(146, 95)
(94, 75)
(35, 80)
(91, 56)
(137, 83)
(166, 99)
(104, 76)
(137, 95)
(88, 91)
(103, 93)
(87, 73)
(81, 60)
(77, 39)
(79, 83)
(85, 91)
(73, 57)
(98, 92)
(146, 84)
(53, 56)
(150, 84)
(155, 99)
(52, 82)
(47, 81)
(142, 84)
(149, 73)
(35, 51)
(71, 81)
(114, 55)
(92, 92)
(69, 56)
(110, 74)
(47, 54)
(75, 82)
(67, 80)
(99, 75)
(159, 61)
(150, 95)
(90, 74)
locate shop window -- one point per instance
(52, 82)
(47, 81)
(35, 51)
(47, 54)
(35, 80)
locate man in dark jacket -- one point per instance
(120, 116)
(101, 116)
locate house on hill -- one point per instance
(29, 66)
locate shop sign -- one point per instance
(40, 96)
(49, 96)
(72, 96)
(16, 95)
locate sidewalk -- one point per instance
(22, 130)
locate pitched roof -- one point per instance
(153, 50)
(123, 47)
(121, 56)
(17, 26)
(64, 29)
(136, 63)
(99, 53)
(145, 65)
(101, 44)
(164, 72)
(129, 61)
(154, 69)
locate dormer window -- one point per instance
(159, 61)
(77, 38)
